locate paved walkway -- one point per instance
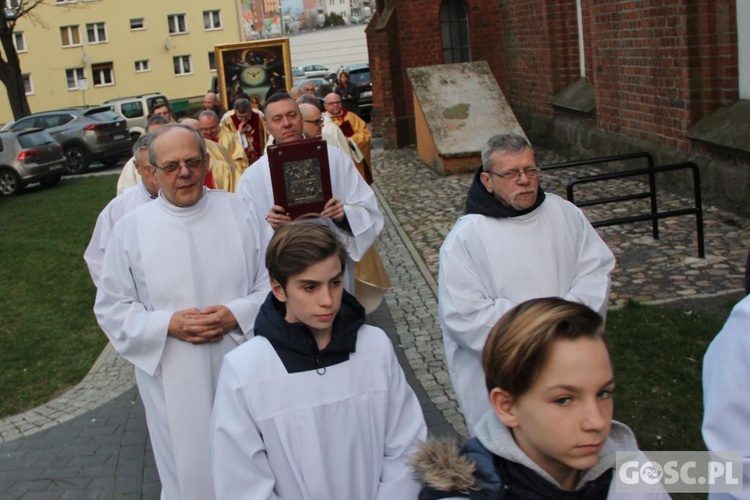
(92, 442)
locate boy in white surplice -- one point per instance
(316, 404)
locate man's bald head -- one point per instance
(332, 104)
(210, 101)
(191, 122)
(312, 121)
(309, 112)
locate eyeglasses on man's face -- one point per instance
(515, 174)
(192, 164)
(317, 122)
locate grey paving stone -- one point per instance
(92, 493)
(44, 495)
(61, 473)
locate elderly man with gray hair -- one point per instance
(515, 243)
(129, 176)
(247, 125)
(144, 191)
(183, 279)
(212, 131)
(211, 101)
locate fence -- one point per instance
(650, 171)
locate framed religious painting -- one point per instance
(300, 176)
(254, 70)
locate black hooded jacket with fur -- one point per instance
(477, 474)
(492, 465)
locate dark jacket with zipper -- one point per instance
(295, 344)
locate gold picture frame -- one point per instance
(254, 69)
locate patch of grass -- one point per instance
(658, 356)
(49, 338)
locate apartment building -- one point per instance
(341, 7)
(76, 52)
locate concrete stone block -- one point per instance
(457, 107)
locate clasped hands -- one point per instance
(201, 326)
(333, 209)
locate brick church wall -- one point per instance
(656, 69)
(656, 66)
(406, 35)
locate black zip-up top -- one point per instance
(295, 344)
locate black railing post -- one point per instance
(698, 211)
(652, 193)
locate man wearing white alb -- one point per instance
(515, 243)
(352, 212)
(129, 175)
(726, 393)
(182, 281)
(144, 191)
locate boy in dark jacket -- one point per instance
(316, 404)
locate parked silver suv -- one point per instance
(28, 156)
(135, 109)
(86, 134)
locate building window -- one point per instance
(74, 76)
(212, 61)
(96, 32)
(19, 40)
(212, 19)
(28, 86)
(142, 66)
(103, 73)
(182, 65)
(177, 24)
(454, 26)
(70, 36)
(137, 24)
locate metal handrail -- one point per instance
(650, 194)
(602, 159)
(655, 215)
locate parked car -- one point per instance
(318, 70)
(298, 75)
(85, 133)
(359, 74)
(28, 156)
(135, 109)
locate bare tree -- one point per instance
(10, 66)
